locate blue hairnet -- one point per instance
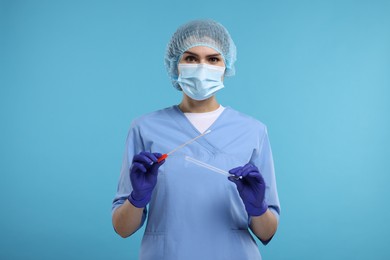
(199, 33)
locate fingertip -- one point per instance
(154, 158)
(159, 163)
(158, 155)
(234, 178)
(235, 170)
(150, 157)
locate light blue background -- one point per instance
(73, 74)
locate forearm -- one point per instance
(264, 226)
(127, 219)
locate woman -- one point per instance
(193, 212)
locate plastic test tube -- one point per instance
(208, 166)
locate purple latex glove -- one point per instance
(251, 187)
(143, 177)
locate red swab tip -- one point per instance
(163, 157)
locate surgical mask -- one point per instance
(200, 81)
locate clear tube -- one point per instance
(208, 166)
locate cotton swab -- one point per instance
(165, 155)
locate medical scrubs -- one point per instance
(196, 213)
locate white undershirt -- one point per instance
(202, 121)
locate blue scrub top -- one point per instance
(196, 213)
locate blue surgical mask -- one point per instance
(200, 81)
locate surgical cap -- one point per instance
(199, 33)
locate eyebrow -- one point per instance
(210, 55)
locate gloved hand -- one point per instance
(143, 177)
(251, 187)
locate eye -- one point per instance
(190, 59)
(214, 60)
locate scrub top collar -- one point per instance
(189, 128)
